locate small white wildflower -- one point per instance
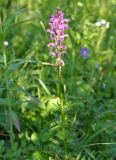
(5, 43)
(103, 21)
(80, 4)
(98, 24)
(108, 25)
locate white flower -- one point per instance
(98, 24)
(103, 21)
(5, 43)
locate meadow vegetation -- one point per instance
(33, 125)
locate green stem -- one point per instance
(62, 106)
(4, 57)
(100, 40)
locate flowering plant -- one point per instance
(84, 52)
(57, 27)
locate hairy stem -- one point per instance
(62, 106)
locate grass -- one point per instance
(30, 113)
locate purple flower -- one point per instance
(53, 54)
(51, 45)
(84, 52)
(57, 26)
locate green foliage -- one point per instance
(30, 118)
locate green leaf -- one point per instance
(5, 101)
(90, 154)
(10, 19)
(44, 86)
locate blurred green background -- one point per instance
(31, 89)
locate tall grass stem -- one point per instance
(9, 104)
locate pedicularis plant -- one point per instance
(57, 36)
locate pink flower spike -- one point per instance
(57, 26)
